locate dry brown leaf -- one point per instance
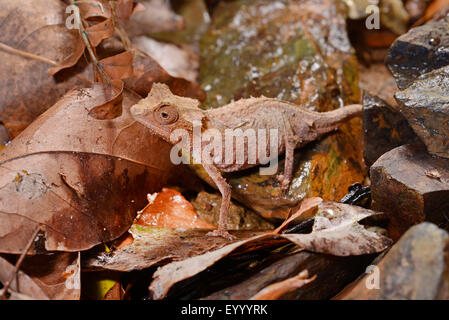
(182, 62)
(157, 246)
(434, 8)
(153, 16)
(119, 66)
(96, 9)
(166, 276)
(56, 276)
(306, 205)
(335, 232)
(36, 27)
(169, 209)
(276, 290)
(112, 108)
(147, 71)
(100, 31)
(83, 179)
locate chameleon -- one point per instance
(163, 112)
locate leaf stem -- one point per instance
(85, 38)
(25, 54)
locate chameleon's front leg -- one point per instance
(225, 190)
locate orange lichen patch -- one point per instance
(169, 209)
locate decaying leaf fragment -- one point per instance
(43, 277)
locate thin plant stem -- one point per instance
(25, 54)
(19, 263)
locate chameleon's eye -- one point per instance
(166, 114)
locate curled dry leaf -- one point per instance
(83, 179)
(336, 231)
(100, 31)
(43, 277)
(112, 108)
(119, 66)
(276, 290)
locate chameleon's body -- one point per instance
(163, 112)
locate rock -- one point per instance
(411, 187)
(296, 51)
(425, 105)
(416, 268)
(207, 206)
(419, 51)
(385, 128)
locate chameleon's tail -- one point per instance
(335, 117)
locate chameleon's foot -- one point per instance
(284, 183)
(221, 233)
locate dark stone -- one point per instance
(421, 50)
(385, 128)
(411, 187)
(425, 105)
(416, 268)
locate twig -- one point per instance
(85, 38)
(19, 263)
(25, 54)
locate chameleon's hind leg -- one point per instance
(286, 178)
(225, 190)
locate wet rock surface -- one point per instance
(385, 128)
(296, 51)
(421, 50)
(207, 205)
(411, 187)
(416, 268)
(425, 105)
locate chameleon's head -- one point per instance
(162, 111)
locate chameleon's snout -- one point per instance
(137, 110)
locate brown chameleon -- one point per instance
(163, 112)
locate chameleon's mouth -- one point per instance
(137, 110)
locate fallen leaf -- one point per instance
(112, 108)
(56, 276)
(165, 277)
(433, 9)
(276, 290)
(147, 71)
(100, 31)
(169, 209)
(153, 16)
(119, 66)
(153, 246)
(35, 27)
(306, 205)
(83, 179)
(336, 231)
